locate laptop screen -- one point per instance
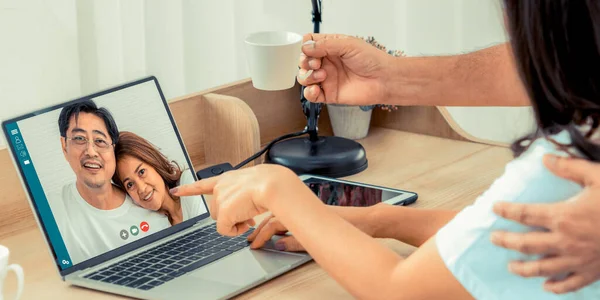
(99, 170)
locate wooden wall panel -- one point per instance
(417, 119)
(277, 112)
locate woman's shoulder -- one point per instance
(464, 243)
(529, 164)
(526, 178)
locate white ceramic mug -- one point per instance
(5, 267)
(272, 58)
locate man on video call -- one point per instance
(99, 216)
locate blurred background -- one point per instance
(55, 50)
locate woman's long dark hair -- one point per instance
(556, 44)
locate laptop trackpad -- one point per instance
(246, 266)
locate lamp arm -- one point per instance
(316, 5)
(312, 110)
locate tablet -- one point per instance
(333, 191)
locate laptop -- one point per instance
(106, 218)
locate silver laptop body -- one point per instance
(221, 279)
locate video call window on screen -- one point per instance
(99, 171)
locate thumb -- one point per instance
(289, 243)
(242, 227)
(204, 186)
(329, 47)
(574, 169)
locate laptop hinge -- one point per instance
(203, 222)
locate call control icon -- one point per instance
(134, 230)
(144, 226)
(124, 234)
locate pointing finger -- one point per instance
(204, 186)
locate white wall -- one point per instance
(38, 55)
(61, 49)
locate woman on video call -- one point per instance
(147, 175)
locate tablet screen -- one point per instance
(348, 194)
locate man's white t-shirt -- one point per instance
(464, 243)
(192, 206)
(88, 231)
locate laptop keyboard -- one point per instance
(166, 262)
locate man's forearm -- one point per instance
(487, 77)
(409, 225)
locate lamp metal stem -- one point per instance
(314, 109)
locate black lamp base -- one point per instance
(328, 156)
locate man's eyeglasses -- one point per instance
(81, 143)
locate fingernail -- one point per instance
(495, 237)
(173, 190)
(498, 207)
(280, 246)
(551, 159)
(511, 268)
(303, 74)
(310, 44)
(313, 63)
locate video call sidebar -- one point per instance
(38, 196)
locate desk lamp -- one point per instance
(319, 155)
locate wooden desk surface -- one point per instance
(445, 173)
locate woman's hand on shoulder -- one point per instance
(571, 242)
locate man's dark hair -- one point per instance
(87, 106)
(556, 44)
